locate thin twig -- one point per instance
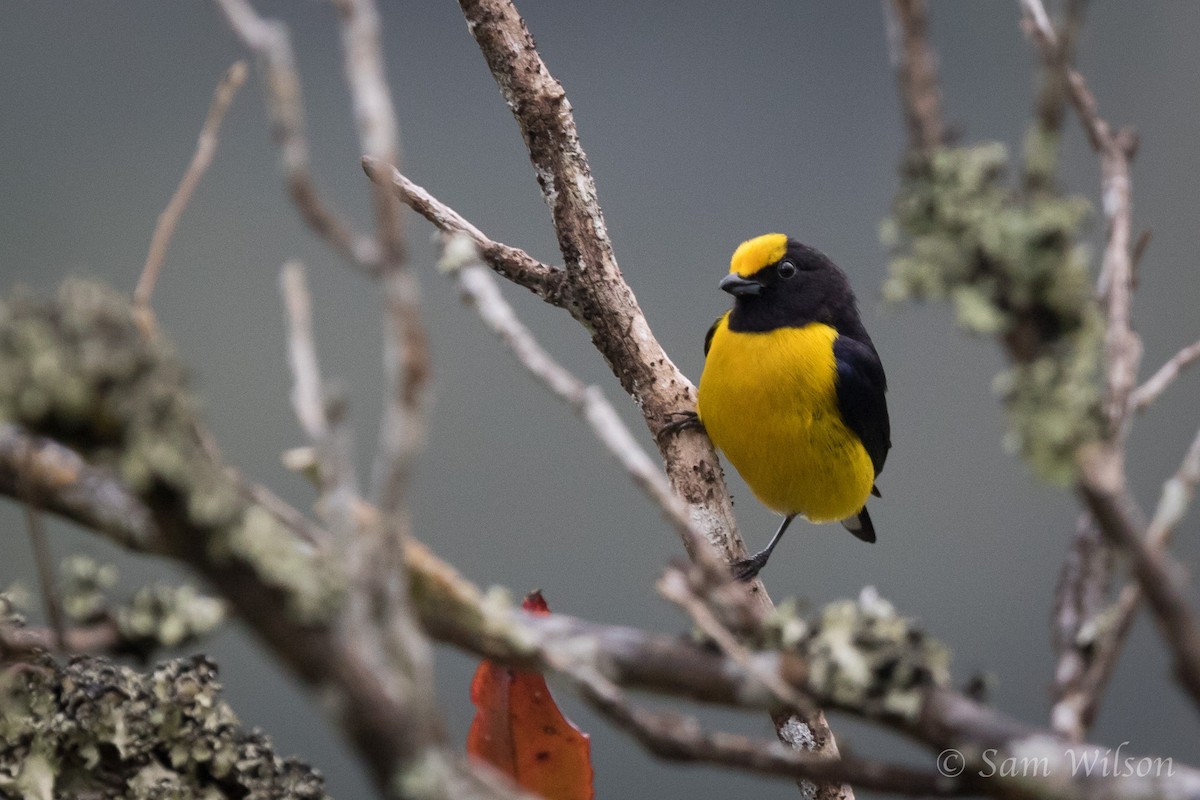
(374, 115)
(480, 290)
(321, 413)
(379, 612)
(1083, 587)
(673, 585)
(269, 40)
(58, 480)
(1042, 147)
(915, 65)
(678, 737)
(600, 298)
(512, 263)
(206, 147)
(1177, 495)
(1102, 483)
(47, 581)
(1053, 95)
(1102, 486)
(1112, 625)
(100, 637)
(406, 359)
(1145, 395)
(307, 399)
(457, 612)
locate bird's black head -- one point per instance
(779, 283)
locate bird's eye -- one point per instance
(786, 269)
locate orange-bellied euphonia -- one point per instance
(793, 390)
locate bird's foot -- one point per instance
(747, 569)
(681, 421)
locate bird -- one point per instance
(793, 392)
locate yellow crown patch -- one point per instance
(754, 254)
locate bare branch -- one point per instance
(1177, 494)
(1083, 663)
(206, 147)
(1108, 628)
(915, 64)
(47, 581)
(18, 644)
(1053, 94)
(269, 41)
(600, 299)
(673, 585)
(1145, 395)
(406, 352)
(516, 265)
(58, 480)
(335, 469)
(599, 657)
(455, 611)
(406, 361)
(677, 737)
(1102, 486)
(307, 398)
(1102, 482)
(479, 289)
(374, 114)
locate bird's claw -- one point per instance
(681, 421)
(747, 569)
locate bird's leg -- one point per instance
(748, 568)
(681, 421)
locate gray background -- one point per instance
(706, 123)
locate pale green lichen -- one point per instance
(1053, 402)
(85, 585)
(14, 600)
(785, 627)
(168, 616)
(157, 616)
(79, 369)
(92, 728)
(1011, 265)
(862, 655)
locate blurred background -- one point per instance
(706, 123)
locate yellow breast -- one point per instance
(769, 402)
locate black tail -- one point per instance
(860, 525)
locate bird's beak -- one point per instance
(738, 286)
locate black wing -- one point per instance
(711, 331)
(861, 386)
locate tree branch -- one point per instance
(516, 265)
(915, 64)
(1145, 395)
(58, 480)
(455, 611)
(599, 297)
(206, 147)
(272, 46)
(1084, 662)
(1103, 489)
(479, 289)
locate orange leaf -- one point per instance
(519, 730)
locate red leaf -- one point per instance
(519, 730)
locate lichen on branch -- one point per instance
(79, 369)
(93, 728)
(1011, 264)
